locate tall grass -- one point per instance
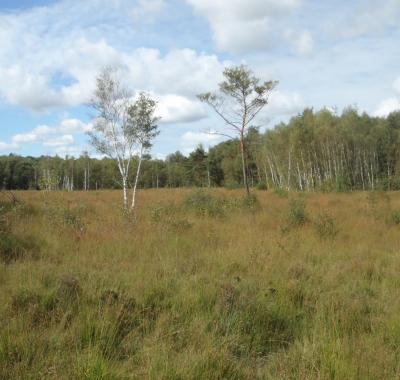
(201, 286)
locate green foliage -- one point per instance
(281, 193)
(326, 226)
(13, 247)
(262, 186)
(328, 152)
(204, 203)
(395, 218)
(297, 215)
(63, 215)
(169, 217)
(250, 201)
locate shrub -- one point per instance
(326, 226)
(168, 216)
(250, 201)
(262, 186)
(259, 325)
(13, 248)
(395, 218)
(281, 193)
(203, 203)
(297, 215)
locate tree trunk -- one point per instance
(136, 179)
(125, 191)
(242, 151)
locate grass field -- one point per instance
(200, 286)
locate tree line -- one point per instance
(313, 151)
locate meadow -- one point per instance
(200, 285)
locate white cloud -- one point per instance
(284, 104)
(4, 147)
(178, 109)
(302, 42)
(74, 126)
(239, 25)
(61, 141)
(305, 43)
(47, 65)
(387, 106)
(190, 140)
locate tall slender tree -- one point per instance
(143, 126)
(240, 99)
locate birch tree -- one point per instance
(143, 124)
(112, 134)
(240, 99)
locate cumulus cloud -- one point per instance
(4, 147)
(53, 65)
(244, 25)
(190, 140)
(59, 138)
(302, 42)
(387, 106)
(305, 43)
(61, 141)
(74, 126)
(178, 109)
(284, 103)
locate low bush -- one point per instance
(262, 186)
(13, 248)
(394, 218)
(297, 214)
(168, 216)
(205, 204)
(281, 193)
(326, 226)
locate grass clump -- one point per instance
(169, 217)
(297, 215)
(394, 218)
(12, 246)
(262, 186)
(281, 193)
(203, 203)
(326, 226)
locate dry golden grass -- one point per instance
(242, 293)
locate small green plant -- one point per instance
(326, 226)
(205, 204)
(250, 201)
(73, 220)
(169, 217)
(281, 193)
(262, 186)
(297, 215)
(13, 248)
(395, 218)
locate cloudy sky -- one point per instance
(330, 53)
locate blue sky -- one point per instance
(331, 53)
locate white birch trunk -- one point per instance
(137, 179)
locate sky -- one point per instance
(332, 53)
